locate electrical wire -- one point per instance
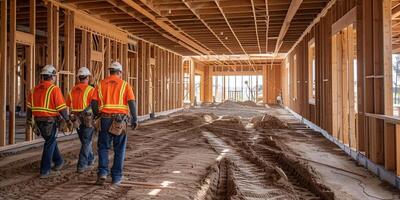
(362, 185)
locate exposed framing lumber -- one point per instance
(12, 71)
(3, 72)
(255, 24)
(165, 26)
(229, 25)
(206, 25)
(267, 25)
(294, 6)
(315, 21)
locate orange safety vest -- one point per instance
(113, 95)
(46, 100)
(80, 97)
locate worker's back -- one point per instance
(80, 97)
(46, 100)
(113, 94)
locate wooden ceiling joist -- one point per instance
(294, 6)
(255, 25)
(206, 25)
(166, 27)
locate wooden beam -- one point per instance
(294, 6)
(3, 72)
(166, 27)
(13, 72)
(266, 25)
(395, 12)
(50, 33)
(230, 27)
(206, 25)
(255, 24)
(387, 57)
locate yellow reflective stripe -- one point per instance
(121, 93)
(85, 96)
(77, 110)
(61, 106)
(100, 94)
(47, 97)
(70, 100)
(114, 106)
(39, 109)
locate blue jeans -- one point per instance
(86, 154)
(50, 150)
(104, 144)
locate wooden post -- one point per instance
(13, 72)
(390, 146)
(50, 34)
(83, 51)
(191, 82)
(56, 29)
(3, 72)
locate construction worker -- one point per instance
(113, 99)
(46, 103)
(78, 101)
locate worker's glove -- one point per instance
(63, 126)
(70, 125)
(134, 124)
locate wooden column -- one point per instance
(13, 71)
(50, 34)
(83, 50)
(208, 84)
(3, 72)
(30, 61)
(191, 81)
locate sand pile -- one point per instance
(268, 122)
(229, 104)
(248, 103)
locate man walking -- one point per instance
(46, 103)
(78, 101)
(112, 100)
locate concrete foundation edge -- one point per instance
(31, 144)
(378, 170)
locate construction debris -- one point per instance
(268, 122)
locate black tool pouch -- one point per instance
(118, 125)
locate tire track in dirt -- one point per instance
(249, 180)
(298, 178)
(147, 152)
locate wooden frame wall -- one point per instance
(378, 132)
(155, 73)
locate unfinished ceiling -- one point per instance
(396, 26)
(210, 27)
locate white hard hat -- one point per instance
(115, 66)
(48, 70)
(84, 71)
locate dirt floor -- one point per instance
(227, 151)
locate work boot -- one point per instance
(91, 163)
(116, 183)
(59, 167)
(101, 180)
(45, 175)
(81, 170)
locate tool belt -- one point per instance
(75, 119)
(119, 124)
(44, 125)
(86, 118)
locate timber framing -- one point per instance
(358, 113)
